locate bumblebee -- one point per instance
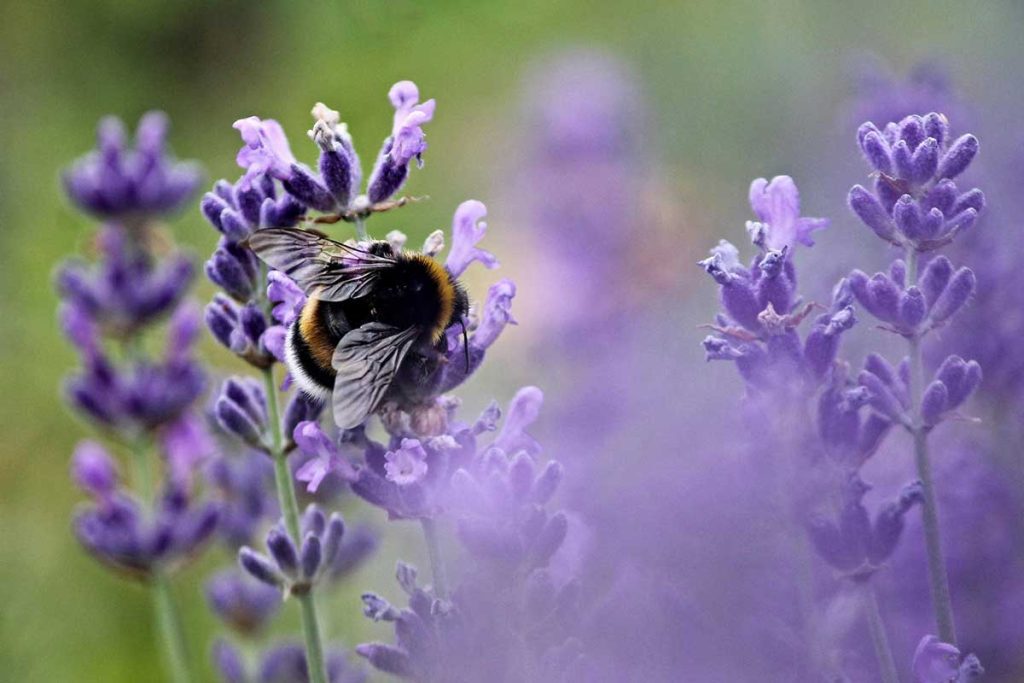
(373, 326)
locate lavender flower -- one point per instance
(144, 395)
(758, 327)
(281, 663)
(248, 205)
(130, 184)
(126, 290)
(141, 399)
(915, 200)
(498, 500)
(296, 567)
(854, 543)
(334, 189)
(938, 662)
(243, 483)
(242, 603)
(120, 533)
(406, 141)
(777, 205)
(817, 472)
(414, 478)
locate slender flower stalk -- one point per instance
(168, 620)
(169, 624)
(437, 569)
(879, 637)
(938, 579)
(290, 510)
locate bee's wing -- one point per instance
(366, 360)
(328, 270)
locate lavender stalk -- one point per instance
(879, 638)
(168, 620)
(142, 401)
(938, 578)
(916, 205)
(437, 570)
(290, 510)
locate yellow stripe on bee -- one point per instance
(313, 333)
(445, 294)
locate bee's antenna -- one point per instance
(465, 342)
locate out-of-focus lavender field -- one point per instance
(739, 397)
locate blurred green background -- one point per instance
(735, 90)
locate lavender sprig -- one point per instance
(140, 400)
(252, 315)
(917, 206)
(789, 377)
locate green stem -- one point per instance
(938, 579)
(437, 570)
(361, 233)
(883, 652)
(290, 510)
(169, 625)
(167, 620)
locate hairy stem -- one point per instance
(437, 571)
(290, 510)
(883, 652)
(937, 577)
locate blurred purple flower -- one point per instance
(94, 470)
(280, 663)
(243, 483)
(114, 182)
(938, 662)
(122, 535)
(243, 603)
(777, 206)
(126, 290)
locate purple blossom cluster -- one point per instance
(496, 495)
(150, 526)
(915, 205)
(107, 308)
